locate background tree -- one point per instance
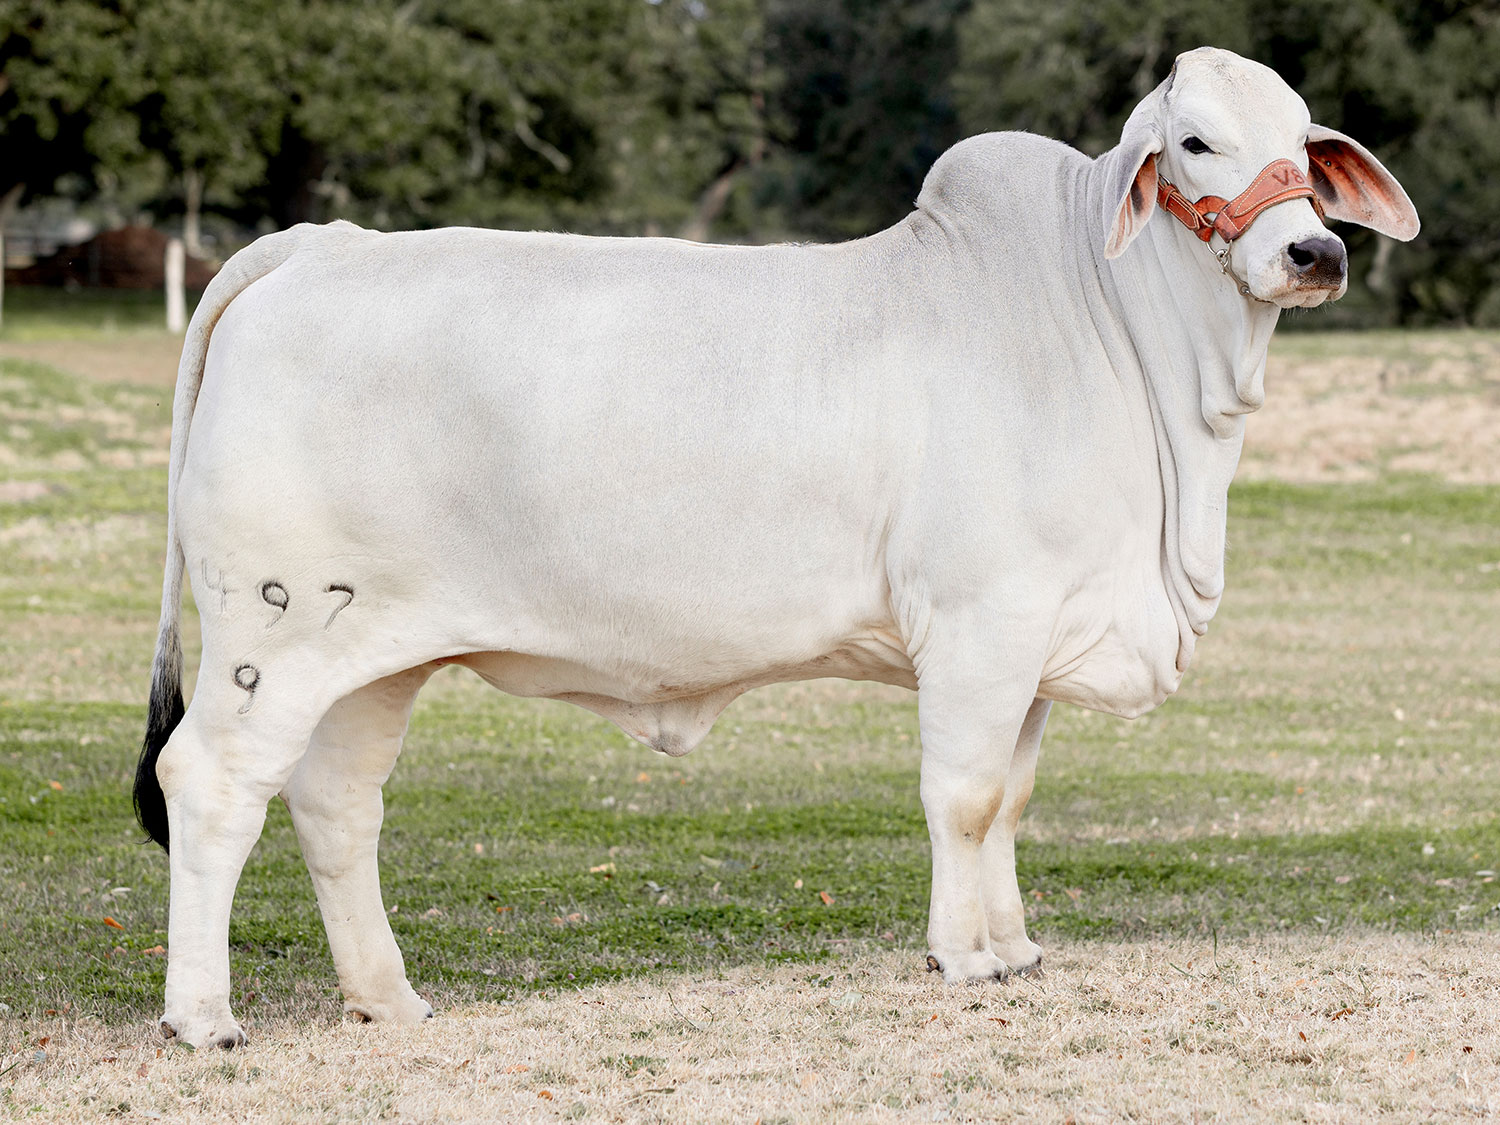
(210, 112)
(865, 105)
(737, 119)
(66, 82)
(704, 124)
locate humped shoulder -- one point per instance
(984, 168)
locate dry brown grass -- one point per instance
(1348, 411)
(1334, 1029)
(145, 358)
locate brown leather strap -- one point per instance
(1279, 181)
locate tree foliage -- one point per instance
(737, 118)
(864, 107)
(65, 78)
(1418, 83)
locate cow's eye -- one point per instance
(1195, 146)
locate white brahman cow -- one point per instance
(983, 454)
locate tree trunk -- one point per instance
(192, 200)
(716, 195)
(710, 204)
(8, 203)
(1379, 277)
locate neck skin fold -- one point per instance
(1201, 348)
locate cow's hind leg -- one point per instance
(1003, 907)
(335, 801)
(217, 772)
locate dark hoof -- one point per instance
(932, 964)
(227, 1041)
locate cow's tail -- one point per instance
(166, 710)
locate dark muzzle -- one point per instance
(1320, 263)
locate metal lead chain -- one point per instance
(1223, 256)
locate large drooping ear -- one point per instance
(1355, 187)
(1131, 195)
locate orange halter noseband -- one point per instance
(1278, 182)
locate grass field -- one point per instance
(1309, 826)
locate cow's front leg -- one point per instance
(971, 714)
(1003, 907)
(336, 806)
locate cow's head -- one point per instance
(1215, 125)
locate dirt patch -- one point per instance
(1350, 1028)
(148, 359)
(22, 491)
(1352, 408)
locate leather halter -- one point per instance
(1278, 182)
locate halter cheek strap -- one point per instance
(1278, 182)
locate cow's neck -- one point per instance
(1201, 346)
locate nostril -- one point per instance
(1301, 257)
(1319, 261)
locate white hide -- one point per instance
(969, 455)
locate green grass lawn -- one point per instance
(1330, 763)
(46, 313)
